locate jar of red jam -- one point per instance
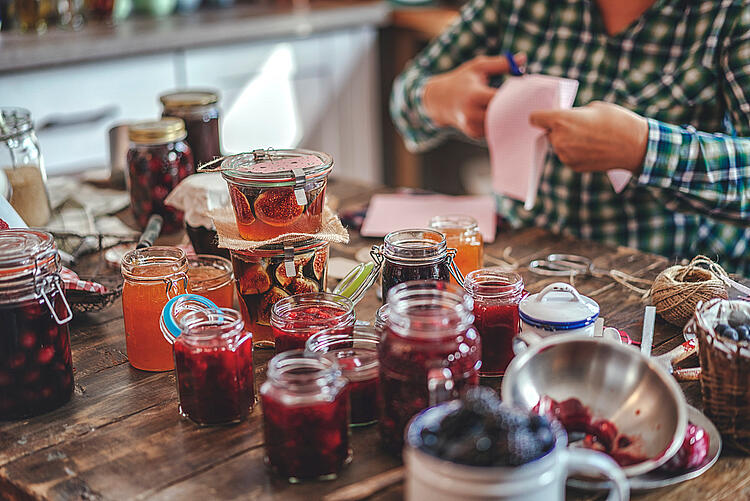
(158, 160)
(271, 273)
(296, 318)
(213, 358)
(36, 373)
(211, 277)
(305, 416)
(275, 192)
(357, 356)
(200, 112)
(496, 295)
(429, 352)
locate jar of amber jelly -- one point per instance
(462, 233)
(36, 373)
(152, 276)
(305, 417)
(211, 277)
(200, 112)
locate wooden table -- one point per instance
(121, 436)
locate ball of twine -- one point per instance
(678, 289)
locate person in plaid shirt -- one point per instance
(664, 87)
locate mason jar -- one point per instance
(200, 112)
(462, 233)
(211, 277)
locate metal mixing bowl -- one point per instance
(616, 382)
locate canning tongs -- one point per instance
(562, 265)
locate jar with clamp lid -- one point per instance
(36, 372)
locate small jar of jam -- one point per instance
(36, 373)
(211, 277)
(496, 295)
(158, 160)
(357, 356)
(305, 416)
(200, 112)
(462, 233)
(429, 352)
(296, 318)
(152, 276)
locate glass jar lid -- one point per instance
(166, 130)
(276, 167)
(14, 121)
(558, 307)
(189, 98)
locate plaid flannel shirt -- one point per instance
(684, 65)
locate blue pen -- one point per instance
(515, 70)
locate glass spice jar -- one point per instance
(305, 416)
(152, 276)
(294, 319)
(357, 356)
(200, 112)
(429, 352)
(496, 295)
(158, 159)
(211, 277)
(462, 233)
(36, 372)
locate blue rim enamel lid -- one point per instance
(558, 307)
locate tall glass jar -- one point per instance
(462, 233)
(158, 160)
(35, 15)
(429, 352)
(152, 276)
(496, 295)
(211, 277)
(36, 373)
(200, 112)
(305, 417)
(23, 164)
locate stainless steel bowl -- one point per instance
(614, 381)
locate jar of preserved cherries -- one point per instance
(200, 112)
(152, 276)
(496, 296)
(158, 160)
(211, 277)
(429, 352)
(36, 373)
(305, 416)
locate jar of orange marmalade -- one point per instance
(152, 276)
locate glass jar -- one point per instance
(381, 317)
(357, 356)
(305, 417)
(24, 166)
(294, 319)
(213, 359)
(270, 273)
(35, 15)
(413, 255)
(152, 277)
(36, 373)
(158, 159)
(462, 233)
(275, 192)
(496, 295)
(429, 353)
(199, 111)
(211, 277)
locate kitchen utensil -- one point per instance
(151, 233)
(562, 265)
(614, 381)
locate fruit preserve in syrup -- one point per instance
(296, 318)
(211, 277)
(305, 417)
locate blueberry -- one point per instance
(731, 333)
(721, 328)
(744, 332)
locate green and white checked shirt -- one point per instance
(684, 65)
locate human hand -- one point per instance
(596, 137)
(459, 98)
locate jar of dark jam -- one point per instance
(429, 352)
(36, 372)
(158, 160)
(414, 255)
(305, 416)
(200, 112)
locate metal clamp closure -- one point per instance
(299, 186)
(56, 280)
(453, 267)
(171, 282)
(289, 269)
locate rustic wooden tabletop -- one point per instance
(121, 437)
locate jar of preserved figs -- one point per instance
(200, 112)
(305, 417)
(158, 159)
(429, 352)
(294, 319)
(213, 358)
(36, 373)
(152, 276)
(271, 273)
(275, 192)
(462, 233)
(357, 356)
(211, 277)
(496, 295)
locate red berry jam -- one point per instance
(298, 317)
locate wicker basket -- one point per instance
(87, 302)
(725, 372)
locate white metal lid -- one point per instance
(559, 306)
